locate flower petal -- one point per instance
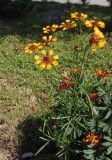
(51, 52)
(36, 57)
(55, 63)
(49, 66)
(44, 38)
(37, 61)
(43, 52)
(43, 66)
(56, 57)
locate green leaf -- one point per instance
(89, 151)
(106, 128)
(91, 157)
(108, 114)
(107, 144)
(41, 148)
(108, 138)
(109, 150)
(69, 131)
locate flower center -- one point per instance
(79, 15)
(47, 59)
(33, 47)
(95, 39)
(95, 24)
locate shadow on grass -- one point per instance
(30, 139)
(26, 18)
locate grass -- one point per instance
(23, 85)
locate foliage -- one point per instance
(79, 125)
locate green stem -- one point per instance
(66, 156)
(83, 62)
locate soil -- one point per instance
(8, 147)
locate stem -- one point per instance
(66, 156)
(83, 62)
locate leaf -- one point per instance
(107, 144)
(69, 131)
(41, 148)
(106, 128)
(108, 138)
(91, 157)
(95, 112)
(89, 151)
(108, 114)
(109, 150)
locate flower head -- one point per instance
(67, 25)
(66, 83)
(78, 16)
(94, 23)
(75, 71)
(100, 73)
(46, 60)
(77, 48)
(92, 138)
(47, 40)
(97, 39)
(33, 47)
(94, 96)
(49, 29)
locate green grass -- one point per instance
(23, 85)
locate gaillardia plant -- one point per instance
(79, 125)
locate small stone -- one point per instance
(27, 155)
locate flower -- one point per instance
(67, 79)
(97, 39)
(48, 40)
(77, 48)
(66, 83)
(94, 96)
(67, 25)
(63, 86)
(78, 16)
(94, 23)
(33, 47)
(47, 60)
(100, 73)
(75, 71)
(48, 29)
(92, 138)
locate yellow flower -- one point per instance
(33, 47)
(93, 23)
(48, 40)
(67, 25)
(47, 60)
(52, 28)
(98, 39)
(78, 16)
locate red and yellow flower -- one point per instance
(92, 138)
(46, 60)
(94, 23)
(33, 47)
(100, 73)
(67, 25)
(98, 39)
(66, 83)
(49, 29)
(94, 96)
(48, 39)
(78, 16)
